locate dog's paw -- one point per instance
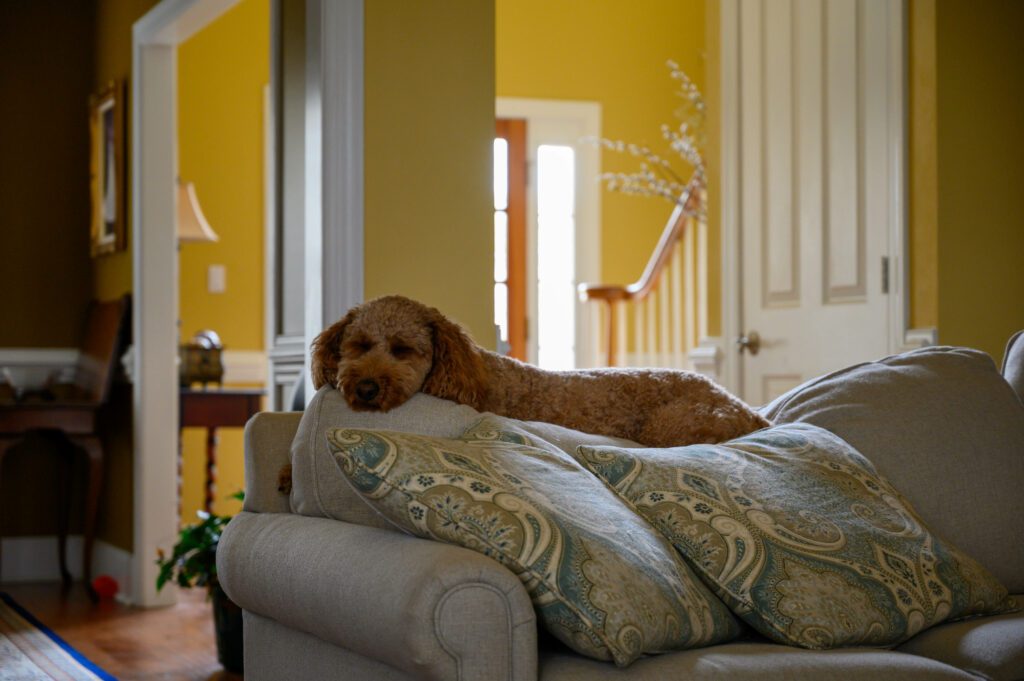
(284, 479)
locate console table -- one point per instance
(213, 409)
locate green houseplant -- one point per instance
(193, 562)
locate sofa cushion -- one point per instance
(756, 662)
(564, 438)
(800, 537)
(602, 580)
(943, 426)
(316, 489)
(989, 647)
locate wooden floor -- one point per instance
(131, 643)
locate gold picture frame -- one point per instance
(107, 170)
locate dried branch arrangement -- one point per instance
(656, 176)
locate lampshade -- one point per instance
(192, 224)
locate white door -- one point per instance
(819, 193)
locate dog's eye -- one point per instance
(402, 351)
(362, 346)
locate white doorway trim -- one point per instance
(547, 121)
(334, 189)
(900, 336)
(154, 163)
(333, 242)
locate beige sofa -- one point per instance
(331, 591)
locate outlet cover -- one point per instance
(216, 279)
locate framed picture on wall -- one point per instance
(107, 170)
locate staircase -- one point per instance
(659, 319)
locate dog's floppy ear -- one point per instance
(458, 371)
(326, 352)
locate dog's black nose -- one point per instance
(367, 389)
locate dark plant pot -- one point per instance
(227, 621)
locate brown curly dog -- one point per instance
(384, 351)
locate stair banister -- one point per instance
(689, 205)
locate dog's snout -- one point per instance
(367, 389)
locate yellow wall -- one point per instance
(980, 100)
(429, 122)
(222, 71)
(966, 233)
(112, 274)
(922, 167)
(613, 53)
(45, 83)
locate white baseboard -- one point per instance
(245, 366)
(34, 559)
(919, 338)
(56, 357)
(707, 357)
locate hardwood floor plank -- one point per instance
(174, 643)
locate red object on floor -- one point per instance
(105, 586)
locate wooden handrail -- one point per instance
(688, 206)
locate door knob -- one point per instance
(751, 342)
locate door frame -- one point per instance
(333, 241)
(587, 115)
(154, 165)
(900, 336)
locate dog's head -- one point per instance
(384, 351)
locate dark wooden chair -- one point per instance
(68, 415)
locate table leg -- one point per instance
(65, 465)
(4, 446)
(211, 467)
(181, 470)
(94, 451)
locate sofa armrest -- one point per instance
(436, 611)
(1013, 363)
(268, 443)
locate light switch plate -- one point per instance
(217, 279)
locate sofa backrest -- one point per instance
(947, 431)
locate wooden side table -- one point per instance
(213, 409)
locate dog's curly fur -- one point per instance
(402, 347)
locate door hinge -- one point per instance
(885, 274)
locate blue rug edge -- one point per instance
(81, 659)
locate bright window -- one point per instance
(501, 237)
(556, 256)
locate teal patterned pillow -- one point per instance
(801, 537)
(602, 580)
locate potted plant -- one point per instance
(193, 562)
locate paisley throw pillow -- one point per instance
(801, 537)
(603, 581)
